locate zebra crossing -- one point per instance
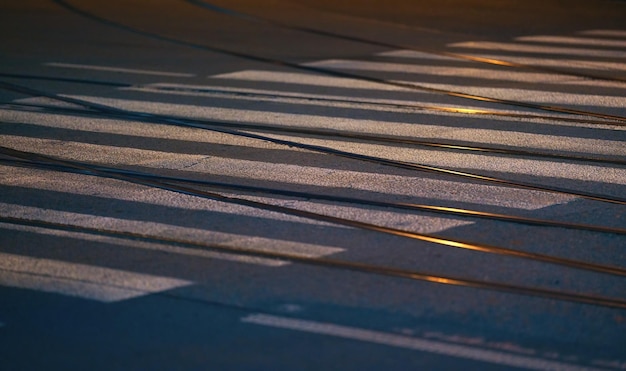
(291, 99)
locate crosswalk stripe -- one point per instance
(589, 42)
(421, 55)
(578, 63)
(460, 72)
(536, 96)
(538, 49)
(607, 33)
(534, 61)
(480, 163)
(156, 229)
(80, 280)
(295, 78)
(117, 69)
(390, 185)
(104, 153)
(297, 97)
(413, 130)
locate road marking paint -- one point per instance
(154, 159)
(609, 33)
(115, 155)
(401, 341)
(541, 49)
(420, 55)
(391, 185)
(149, 246)
(543, 62)
(461, 72)
(278, 118)
(532, 95)
(573, 41)
(415, 129)
(117, 69)
(294, 97)
(80, 280)
(578, 63)
(538, 95)
(281, 95)
(205, 236)
(295, 78)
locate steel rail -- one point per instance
(334, 264)
(454, 211)
(443, 241)
(335, 73)
(148, 117)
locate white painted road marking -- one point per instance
(532, 96)
(306, 79)
(434, 70)
(80, 280)
(545, 62)
(541, 49)
(117, 69)
(156, 229)
(605, 33)
(588, 42)
(407, 342)
(286, 96)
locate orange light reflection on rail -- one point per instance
(495, 61)
(468, 110)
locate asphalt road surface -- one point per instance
(312, 185)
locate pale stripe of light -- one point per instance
(80, 280)
(544, 62)
(478, 163)
(538, 95)
(112, 155)
(228, 114)
(170, 231)
(608, 33)
(578, 63)
(477, 73)
(169, 249)
(419, 55)
(389, 184)
(573, 41)
(549, 98)
(312, 175)
(423, 131)
(117, 69)
(415, 129)
(120, 126)
(380, 104)
(226, 166)
(540, 49)
(295, 78)
(413, 343)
